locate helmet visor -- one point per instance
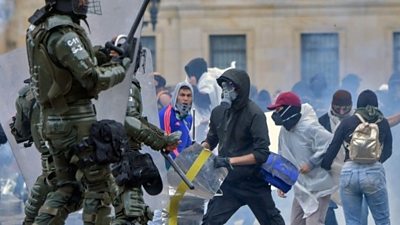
(83, 7)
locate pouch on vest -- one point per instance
(21, 122)
(109, 140)
(364, 146)
(136, 169)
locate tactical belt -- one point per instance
(79, 108)
(182, 187)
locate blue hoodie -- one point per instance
(171, 122)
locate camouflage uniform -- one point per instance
(130, 207)
(29, 111)
(64, 79)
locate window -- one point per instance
(396, 51)
(320, 54)
(227, 48)
(150, 43)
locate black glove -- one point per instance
(222, 162)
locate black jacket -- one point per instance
(324, 120)
(344, 132)
(241, 129)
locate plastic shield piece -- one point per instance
(116, 98)
(13, 71)
(279, 172)
(145, 77)
(208, 180)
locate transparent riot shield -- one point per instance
(104, 28)
(145, 77)
(13, 71)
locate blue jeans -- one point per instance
(364, 180)
(330, 218)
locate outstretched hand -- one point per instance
(172, 141)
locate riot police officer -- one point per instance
(65, 77)
(129, 204)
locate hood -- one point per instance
(196, 67)
(242, 81)
(370, 113)
(175, 93)
(308, 116)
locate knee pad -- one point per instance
(37, 197)
(133, 203)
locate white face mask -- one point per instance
(228, 94)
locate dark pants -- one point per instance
(330, 218)
(254, 193)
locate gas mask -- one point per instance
(288, 118)
(183, 109)
(228, 94)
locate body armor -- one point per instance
(129, 205)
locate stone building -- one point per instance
(279, 42)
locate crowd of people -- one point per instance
(98, 165)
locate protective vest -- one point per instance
(53, 85)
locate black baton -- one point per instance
(178, 170)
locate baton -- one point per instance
(178, 170)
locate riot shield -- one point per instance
(115, 98)
(145, 77)
(13, 71)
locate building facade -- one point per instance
(279, 42)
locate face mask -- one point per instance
(288, 122)
(291, 121)
(277, 119)
(183, 109)
(277, 116)
(228, 94)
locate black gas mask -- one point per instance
(287, 117)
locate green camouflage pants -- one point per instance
(130, 208)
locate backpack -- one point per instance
(364, 146)
(21, 122)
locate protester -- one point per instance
(341, 108)
(303, 142)
(176, 116)
(238, 127)
(361, 179)
(163, 96)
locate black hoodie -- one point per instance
(241, 129)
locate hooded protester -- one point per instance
(359, 180)
(303, 142)
(238, 127)
(177, 117)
